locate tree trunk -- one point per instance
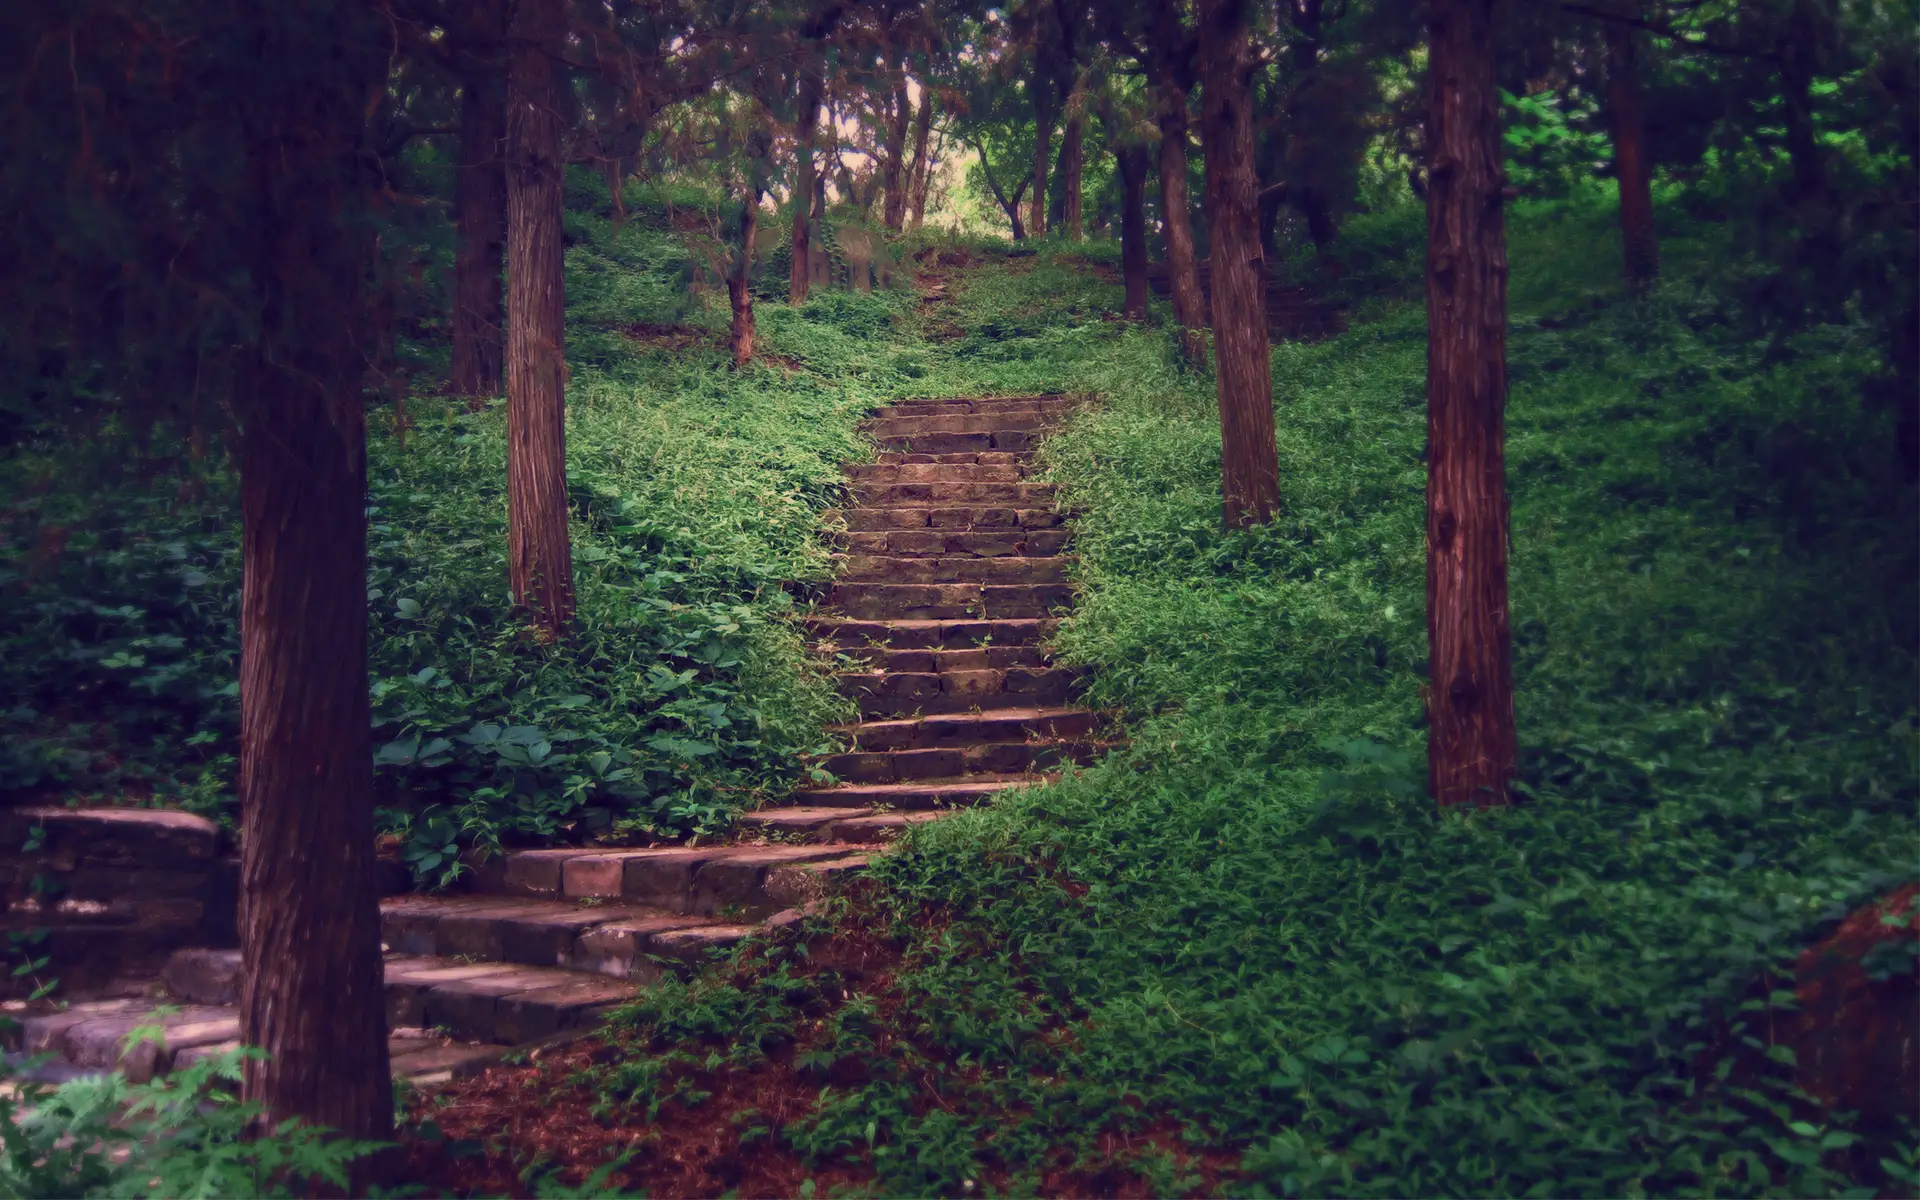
(812, 83)
(922, 163)
(1176, 223)
(1798, 53)
(1042, 147)
(1132, 164)
(1470, 747)
(739, 280)
(1250, 476)
(480, 202)
(539, 555)
(1640, 246)
(895, 155)
(311, 993)
(1072, 162)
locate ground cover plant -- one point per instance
(1247, 953)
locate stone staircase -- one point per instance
(952, 568)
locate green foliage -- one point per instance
(184, 1135)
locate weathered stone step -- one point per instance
(898, 693)
(1015, 495)
(978, 758)
(997, 543)
(965, 729)
(941, 601)
(962, 472)
(919, 795)
(539, 933)
(950, 516)
(891, 428)
(943, 442)
(879, 827)
(841, 826)
(931, 634)
(1051, 400)
(999, 457)
(977, 658)
(699, 880)
(952, 568)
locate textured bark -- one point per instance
(539, 555)
(894, 155)
(311, 993)
(1072, 162)
(739, 280)
(1132, 164)
(1176, 223)
(1250, 466)
(480, 202)
(1639, 245)
(1042, 150)
(1470, 748)
(922, 163)
(812, 83)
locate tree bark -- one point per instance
(812, 84)
(1072, 163)
(539, 554)
(894, 214)
(1132, 163)
(1042, 148)
(311, 992)
(1176, 223)
(922, 164)
(1471, 746)
(480, 201)
(1250, 475)
(739, 281)
(1640, 246)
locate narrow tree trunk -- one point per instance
(1072, 163)
(1250, 479)
(739, 280)
(895, 156)
(1470, 747)
(1132, 163)
(480, 203)
(1798, 54)
(1640, 246)
(812, 83)
(1176, 224)
(922, 162)
(539, 555)
(1042, 147)
(311, 992)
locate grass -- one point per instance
(1247, 954)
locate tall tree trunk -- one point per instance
(480, 203)
(539, 555)
(1250, 476)
(1132, 163)
(1072, 163)
(1176, 223)
(1470, 747)
(894, 155)
(1799, 51)
(922, 162)
(1640, 246)
(740, 279)
(1042, 148)
(311, 993)
(812, 84)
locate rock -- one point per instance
(202, 976)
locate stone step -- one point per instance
(891, 429)
(950, 516)
(900, 693)
(678, 880)
(956, 443)
(941, 730)
(978, 658)
(880, 827)
(964, 472)
(952, 568)
(945, 601)
(807, 823)
(991, 457)
(919, 795)
(833, 629)
(977, 758)
(1014, 495)
(568, 934)
(997, 543)
(1051, 401)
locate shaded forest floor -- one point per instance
(1245, 954)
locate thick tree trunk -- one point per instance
(1132, 163)
(1176, 223)
(480, 203)
(1042, 148)
(1250, 475)
(1470, 747)
(1640, 246)
(922, 164)
(812, 83)
(1072, 163)
(739, 281)
(539, 555)
(894, 215)
(311, 992)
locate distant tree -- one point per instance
(478, 51)
(1127, 130)
(1639, 244)
(1471, 748)
(810, 89)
